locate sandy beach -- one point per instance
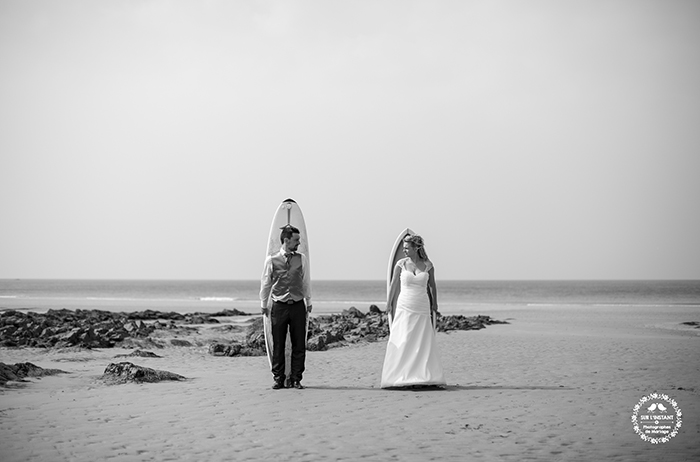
(557, 383)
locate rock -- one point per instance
(354, 312)
(116, 334)
(229, 313)
(91, 340)
(253, 343)
(200, 319)
(322, 341)
(255, 336)
(48, 332)
(220, 349)
(62, 314)
(7, 331)
(317, 343)
(19, 371)
(234, 349)
(180, 342)
(227, 328)
(8, 373)
(146, 314)
(459, 322)
(124, 372)
(69, 338)
(151, 315)
(374, 309)
(140, 353)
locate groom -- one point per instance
(286, 279)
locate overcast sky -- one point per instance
(523, 140)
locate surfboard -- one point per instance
(396, 255)
(287, 213)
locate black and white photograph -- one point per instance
(349, 230)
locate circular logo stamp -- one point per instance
(656, 418)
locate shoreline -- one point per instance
(456, 297)
(320, 307)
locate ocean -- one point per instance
(455, 297)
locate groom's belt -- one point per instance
(288, 302)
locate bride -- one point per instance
(412, 357)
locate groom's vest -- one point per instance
(287, 279)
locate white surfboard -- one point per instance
(396, 255)
(288, 213)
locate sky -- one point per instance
(523, 140)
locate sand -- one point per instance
(557, 383)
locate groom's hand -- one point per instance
(265, 311)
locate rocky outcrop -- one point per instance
(351, 326)
(155, 329)
(124, 372)
(19, 371)
(459, 322)
(252, 345)
(93, 328)
(65, 328)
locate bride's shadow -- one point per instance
(448, 388)
(505, 387)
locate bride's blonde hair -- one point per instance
(417, 242)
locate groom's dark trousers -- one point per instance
(293, 317)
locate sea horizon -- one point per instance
(343, 279)
(455, 296)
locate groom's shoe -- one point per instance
(297, 384)
(278, 384)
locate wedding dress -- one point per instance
(412, 356)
